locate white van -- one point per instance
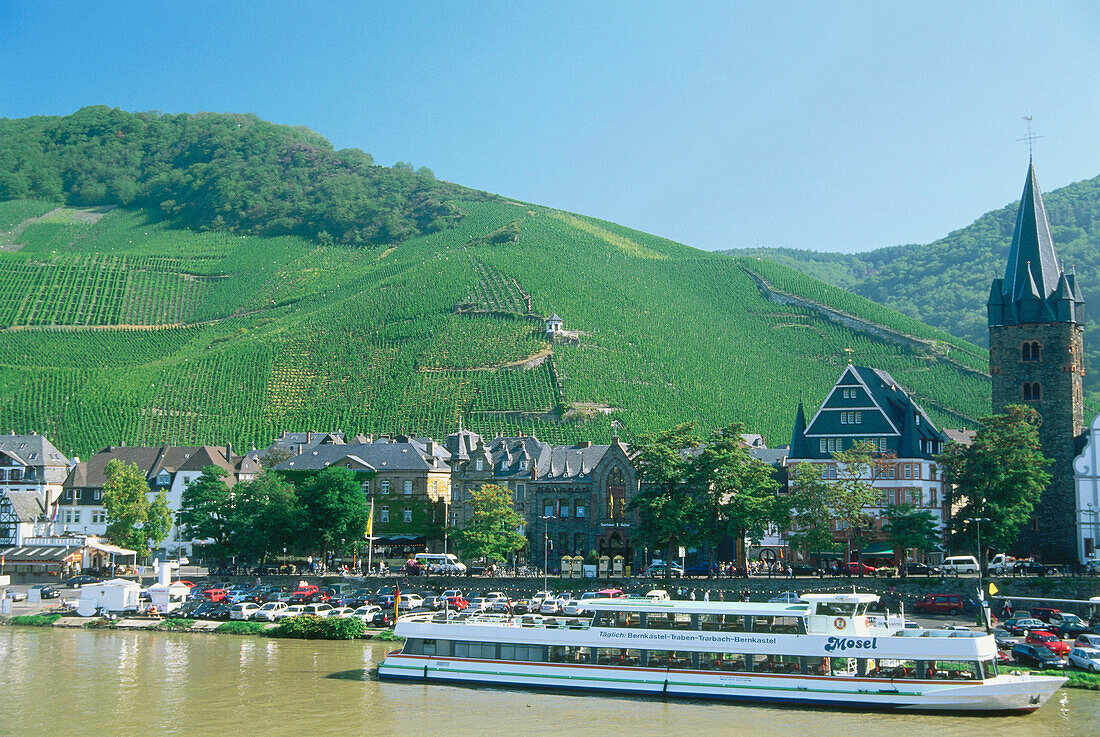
(960, 564)
(440, 563)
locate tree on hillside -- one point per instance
(736, 494)
(665, 499)
(1000, 477)
(129, 521)
(853, 491)
(908, 527)
(493, 533)
(334, 508)
(206, 509)
(811, 528)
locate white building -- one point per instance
(1086, 471)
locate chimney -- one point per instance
(309, 437)
(122, 444)
(429, 447)
(229, 452)
(299, 449)
(584, 444)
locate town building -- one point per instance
(573, 498)
(32, 471)
(867, 404)
(406, 479)
(1087, 484)
(167, 468)
(1036, 358)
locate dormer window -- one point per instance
(164, 478)
(479, 465)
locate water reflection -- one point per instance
(135, 683)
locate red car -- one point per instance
(215, 595)
(308, 595)
(939, 604)
(1049, 640)
(854, 567)
(457, 602)
(1045, 612)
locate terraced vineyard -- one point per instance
(284, 334)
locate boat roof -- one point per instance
(642, 604)
(852, 598)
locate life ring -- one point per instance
(840, 623)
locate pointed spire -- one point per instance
(1032, 252)
(799, 447)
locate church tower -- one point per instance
(1036, 318)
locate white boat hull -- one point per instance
(1006, 693)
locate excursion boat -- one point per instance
(824, 650)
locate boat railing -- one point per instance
(501, 620)
(970, 634)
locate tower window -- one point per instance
(1032, 391)
(1031, 351)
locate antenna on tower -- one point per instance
(1030, 138)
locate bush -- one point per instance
(1077, 679)
(35, 620)
(175, 624)
(240, 628)
(308, 627)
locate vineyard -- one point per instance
(243, 337)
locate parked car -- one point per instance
(269, 612)
(212, 610)
(802, 569)
(451, 592)
(215, 595)
(410, 601)
(572, 608)
(292, 610)
(500, 604)
(356, 598)
(952, 604)
(920, 569)
(1087, 641)
(341, 612)
(318, 610)
(657, 595)
(550, 606)
(657, 570)
(1067, 625)
(787, 597)
(1049, 640)
(1021, 624)
(1036, 568)
(478, 604)
(77, 581)
(244, 610)
(457, 602)
(1039, 657)
(45, 591)
(435, 603)
(959, 564)
(1085, 658)
(367, 613)
(1045, 612)
(523, 606)
(309, 595)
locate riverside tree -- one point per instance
(1000, 477)
(133, 521)
(206, 509)
(333, 509)
(736, 494)
(811, 528)
(665, 499)
(267, 517)
(853, 491)
(908, 527)
(493, 533)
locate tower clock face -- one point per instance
(1037, 420)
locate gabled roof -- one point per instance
(1033, 264)
(33, 450)
(383, 455)
(27, 505)
(151, 460)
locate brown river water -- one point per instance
(106, 684)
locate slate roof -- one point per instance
(151, 461)
(27, 505)
(1035, 286)
(885, 410)
(291, 440)
(382, 455)
(33, 450)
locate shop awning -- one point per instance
(112, 549)
(395, 538)
(42, 554)
(878, 549)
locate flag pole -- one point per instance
(370, 538)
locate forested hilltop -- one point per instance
(235, 173)
(946, 283)
(149, 324)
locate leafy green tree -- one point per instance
(853, 491)
(493, 533)
(125, 497)
(159, 519)
(1000, 477)
(266, 518)
(908, 527)
(811, 529)
(206, 508)
(333, 509)
(736, 493)
(665, 499)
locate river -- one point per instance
(118, 683)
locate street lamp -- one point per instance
(981, 560)
(546, 551)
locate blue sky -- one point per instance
(840, 127)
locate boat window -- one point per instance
(776, 664)
(618, 619)
(952, 670)
(428, 647)
(888, 668)
(617, 656)
(733, 623)
(987, 668)
(816, 666)
(835, 608)
(669, 621)
(779, 625)
(670, 659)
(528, 653)
(413, 646)
(839, 666)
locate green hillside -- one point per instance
(126, 323)
(946, 283)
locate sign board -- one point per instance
(5, 580)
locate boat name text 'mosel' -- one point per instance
(840, 644)
(677, 637)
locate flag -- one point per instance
(396, 602)
(370, 521)
(993, 589)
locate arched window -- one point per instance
(1031, 351)
(1032, 391)
(616, 494)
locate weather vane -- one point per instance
(1030, 138)
(849, 351)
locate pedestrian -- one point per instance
(692, 595)
(706, 595)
